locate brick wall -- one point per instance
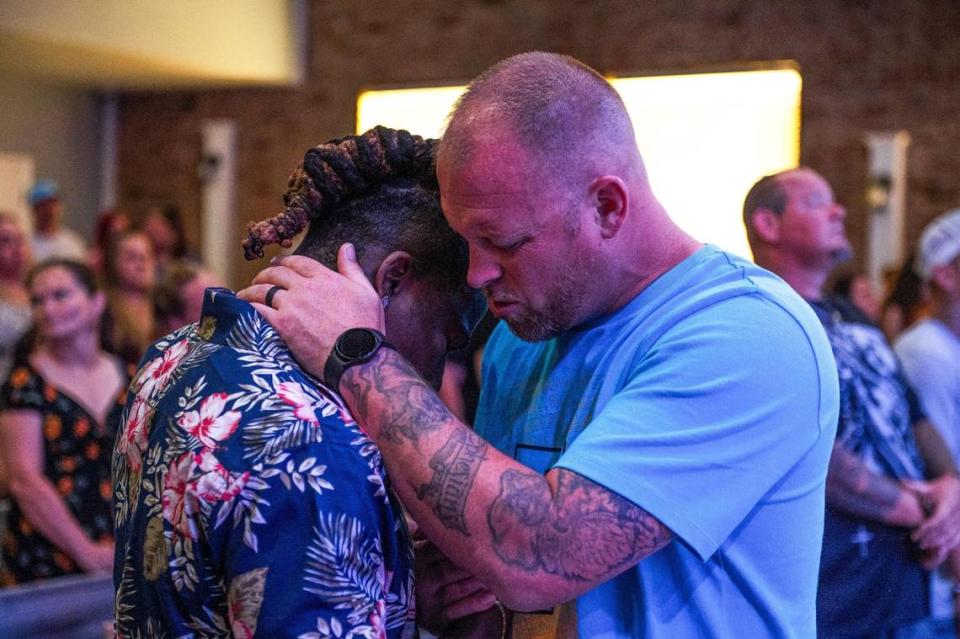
(866, 64)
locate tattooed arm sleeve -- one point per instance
(534, 540)
(855, 489)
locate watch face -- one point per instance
(357, 344)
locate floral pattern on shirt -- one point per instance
(247, 501)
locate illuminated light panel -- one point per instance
(421, 111)
(705, 138)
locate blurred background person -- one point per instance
(14, 300)
(857, 289)
(129, 273)
(461, 374)
(110, 223)
(14, 315)
(60, 410)
(164, 226)
(50, 238)
(892, 494)
(930, 353)
(904, 303)
(178, 296)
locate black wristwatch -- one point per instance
(354, 346)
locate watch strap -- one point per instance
(337, 363)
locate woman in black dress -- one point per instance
(58, 405)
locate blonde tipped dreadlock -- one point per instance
(336, 171)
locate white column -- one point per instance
(218, 174)
(298, 18)
(887, 198)
(109, 115)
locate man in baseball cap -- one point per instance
(939, 243)
(50, 239)
(930, 353)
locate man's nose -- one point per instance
(483, 268)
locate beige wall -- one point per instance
(153, 43)
(59, 127)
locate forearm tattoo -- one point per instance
(454, 467)
(854, 488)
(409, 407)
(582, 533)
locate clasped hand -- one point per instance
(939, 532)
(315, 304)
(446, 593)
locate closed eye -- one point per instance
(513, 246)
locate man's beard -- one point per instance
(564, 307)
(536, 326)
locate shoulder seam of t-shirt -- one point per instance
(774, 300)
(806, 334)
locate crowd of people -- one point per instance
(671, 440)
(74, 323)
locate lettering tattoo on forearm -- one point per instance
(454, 467)
(409, 407)
(582, 533)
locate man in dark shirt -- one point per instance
(893, 497)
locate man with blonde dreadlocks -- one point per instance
(248, 501)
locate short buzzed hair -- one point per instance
(559, 109)
(767, 193)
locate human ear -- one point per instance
(766, 224)
(394, 274)
(611, 200)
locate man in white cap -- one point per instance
(50, 239)
(930, 350)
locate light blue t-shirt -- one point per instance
(711, 401)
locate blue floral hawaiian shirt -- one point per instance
(248, 503)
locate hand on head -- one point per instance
(315, 304)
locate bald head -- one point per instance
(770, 193)
(562, 112)
(539, 171)
(796, 228)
